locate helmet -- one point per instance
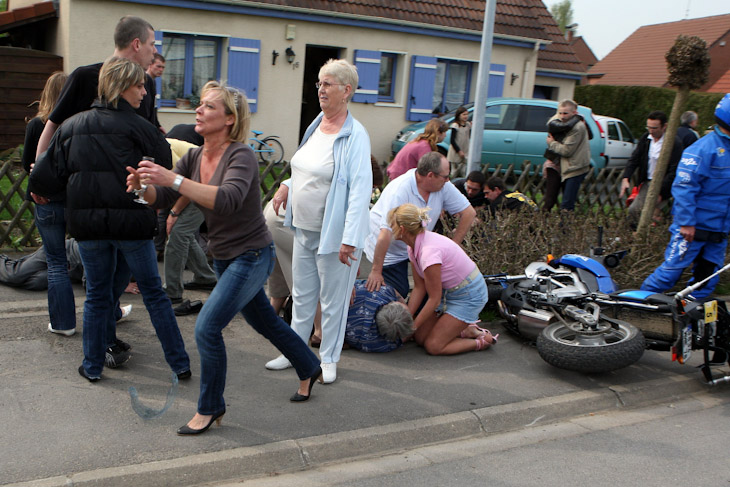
(722, 112)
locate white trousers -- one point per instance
(325, 279)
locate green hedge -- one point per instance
(633, 103)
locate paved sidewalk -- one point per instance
(60, 430)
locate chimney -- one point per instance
(570, 31)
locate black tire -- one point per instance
(562, 347)
(278, 151)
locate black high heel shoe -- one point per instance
(298, 397)
(186, 430)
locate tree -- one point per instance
(562, 12)
(688, 64)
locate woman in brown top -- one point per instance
(222, 179)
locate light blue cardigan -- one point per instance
(346, 210)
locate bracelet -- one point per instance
(173, 213)
(178, 181)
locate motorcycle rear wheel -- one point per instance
(618, 347)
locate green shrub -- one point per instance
(633, 103)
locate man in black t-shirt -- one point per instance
(473, 188)
(134, 38)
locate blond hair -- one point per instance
(412, 218)
(117, 75)
(343, 72)
(54, 85)
(234, 103)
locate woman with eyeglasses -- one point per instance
(449, 281)
(327, 201)
(222, 178)
(408, 157)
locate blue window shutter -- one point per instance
(496, 80)
(158, 81)
(420, 91)
(243, 68)
(368, 72)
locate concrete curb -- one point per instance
(304, 453)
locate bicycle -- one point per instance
(269, 148)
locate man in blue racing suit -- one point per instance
(701, 192)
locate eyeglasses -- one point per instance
(326, 84)
(446, 178)
(653, 128)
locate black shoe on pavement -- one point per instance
(86, 376)
(176, 300)
(115, 356)
(188, 307)
(184, 375)
(123, 345)
(206, 286)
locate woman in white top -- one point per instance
(328, 196)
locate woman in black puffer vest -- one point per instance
(88, 157)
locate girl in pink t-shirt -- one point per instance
(456, 290)
(411, 153)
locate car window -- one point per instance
(626, 134)
(612, 131)
(536, 118)
(501, 117)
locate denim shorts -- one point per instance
(466, 303)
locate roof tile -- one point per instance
(639, 60)
(519, 18)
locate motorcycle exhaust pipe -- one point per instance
(505, 312)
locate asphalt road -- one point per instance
(683, 443)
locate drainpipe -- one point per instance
(526, 74)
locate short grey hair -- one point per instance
(394, 321)
(569, 103)
(130, 28)
(343, 72)
(429, 162)
(688, 117)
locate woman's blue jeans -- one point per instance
(240, 289)
(100, 262)
(51, 222)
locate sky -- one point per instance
(604, 24)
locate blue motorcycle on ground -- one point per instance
(581, 321)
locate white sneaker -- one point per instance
(126, 311)
(329, 373)
(279, 363)
(67, 333)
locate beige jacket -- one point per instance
(575, 152)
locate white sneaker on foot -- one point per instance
(329, 373)
(67, 333)
(126, 311)
(279, 363)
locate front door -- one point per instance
(314, 58)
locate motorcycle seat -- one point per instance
(647, 297)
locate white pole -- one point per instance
(480, 102)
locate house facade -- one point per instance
(415, 58)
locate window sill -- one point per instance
(175, 110)
(388, 104)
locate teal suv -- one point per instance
(514, 131)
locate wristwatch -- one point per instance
(173, 213)
(178, 181)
